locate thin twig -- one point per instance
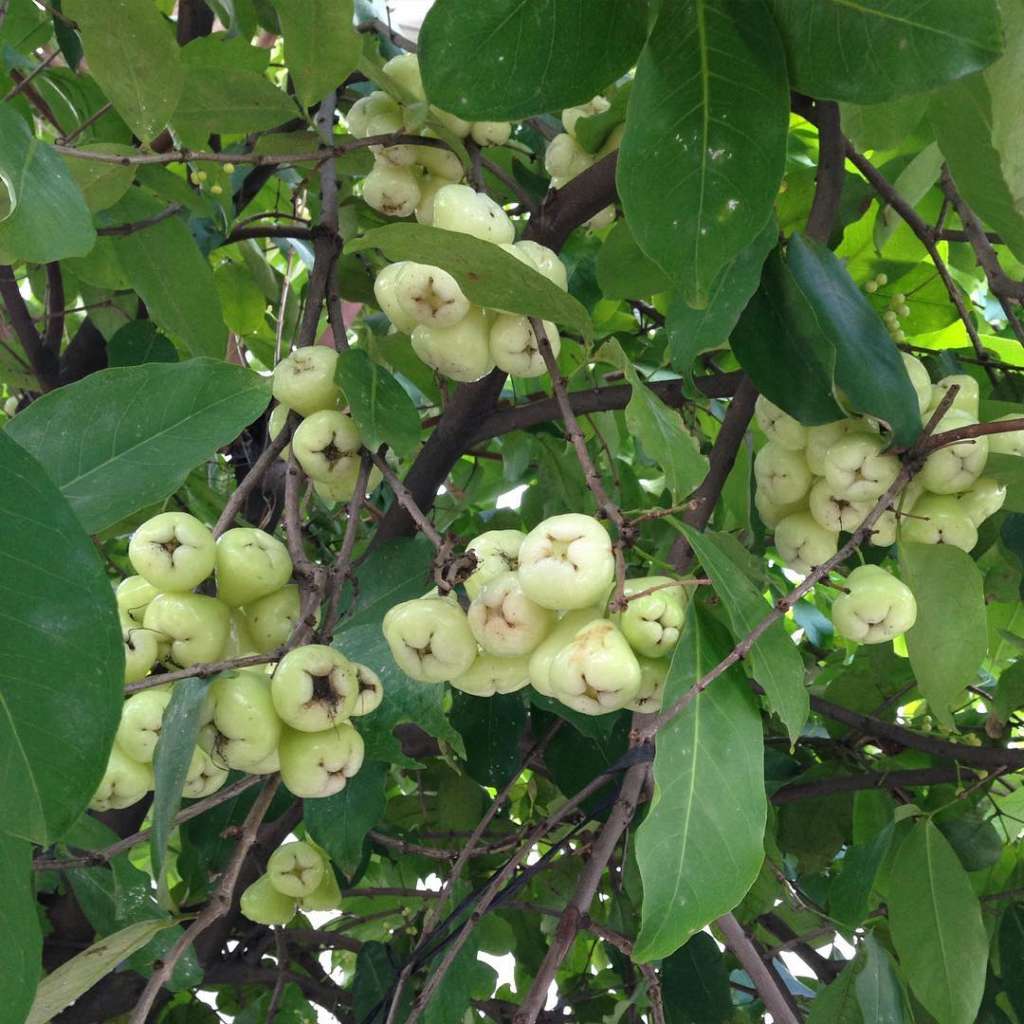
(203, 671)
(22, 83)
(342, 568)
(66, 140)
(767, 985)
(404, 498)
(525, 199)
(120, 230)
(282, 966)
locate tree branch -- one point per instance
(828, 193)
(45, 364)
(764, 979)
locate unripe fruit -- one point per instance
(652, 623)
(393, 191)
(142, 715)
(772, 514)
(461, 352)
(565, 157)
(803, 544)
(832, 512)
(429, 295)
(877, 607)
(653, 673)
(133, 595)
(402, 155)
(342, 489)
(497, 552)
(275, 424)
(125, 782)
(940, 519)
(459, 208)
(204, 777)
(821, 438)
(782, 474)
(430, 639)
(240, 640)
(405, 70)
(779, 426)
(314, 687)
(985, 498)
(954, 468)
(505, 621)
(451, 122)
(272, 618)
(1009, 443)
(596, 672)
(491, 133)
(326, 446)
(566, 562)
(371, 106)
(240, 726)
(370, 691)
(385, 289)
(884, 530)
(296, 869)
(173, 551)
(565, 629)
(304, 380)
(266, 765)
(250, 564)
(967, 398)
(920, 380)
(601, 219)
(544, 260)
(859, 469)
(261, 903)
(326, 896)
(141, 651)
(441, 163)
(491, 674)
(429, 186)
(318, 764)
(598, 105)
(196, 626)
(515, 348)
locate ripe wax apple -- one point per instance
(142, 716)
(545, 261)
(133, 595)
(598, 105)
(941, 519)
(304, 380)
(319, 764)
(429, 185)
(919, 379)
(385, 289)
(439, 163)
(565, 629)
(272, 618)
(405, 70)
(782, 474)
(461, 352)
(367, 107)
(967, 398)
(430, 639)
(1009, 443)
(497, 552)
(822, 437)
(653, 673)
(779, 426)
(772, 514)
(858, 468)
(296, 869)
(393, 191)
(985, 498)
(141, 651)
(515, 348)
(565, 158)
(505, 621)
(327, 445)
(261, 903)
(803, 544)
(204, 777)
(459, 208)
(954, 469)
(370, 691)
(250, 564)
(597, 671)
(240, 726)
(566, 562)
(240, 639)
(196, 626)
(652, 623)
(173, 551)
(491, 133)
(125, 782)
(877, 607)
(834, 512)
(314, 687)
(429, 295)
(491, 674)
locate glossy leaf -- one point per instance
(381, 407)
(695, 984)
(339, 823)
(705, 142)
(102, 184)
(61, 656)
(221, 99)
(23, 941)
(851, 890)
(148, 426)
(837, 1003)
(491, 728)
(140, 342)
(699, 854)
(878, 988)
(320, 45)
(623, 271)
(908, 46)
(376, 972)
(493, 61)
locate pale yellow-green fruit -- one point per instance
(459, 208)
(822, 437)
(491, 133)
(304, 380)
(544, 260)
(240, 640)
(133, 595)
(491, 674)
(125, 782)
(240, 726)
(319, 764)
(967, 398)
(275, 424)
(451, 122)
(401, 155)
(429, 295)
(505, 621)
(984, 498)
(314, 687)
(858, 468)
(833, 512)
(566, 562)
(779, 426)
(461, 352)
(266, 765)
(142, 650)
(196, 626)
(430, 639)
(652, 623)
(405, 70)
(564, 157)
(393, 191)
(653, 673)
(886, 527)
(367, 107)
(877, 607)
(370, 693)
(565, 629)
(429, 186)
(782, 474)
(940, 519)
(327, 446)
(803, 544)
(772, 514)
(341, 490)
(385, 289)
(954, 468)
(497, 552)
(440, 163)
(142, 715)
(597, 671)
(601, 219)
(250, 564)
(919, 379)
(272, 618)
(515, 348)
(326, 896)
(296, 869)
(204, 777)
(1009, 443)
(598, 105)
(173, 551)
(261, 903)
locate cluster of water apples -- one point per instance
(295, 720)
(814, 483)
(298, 877)
(538, 616)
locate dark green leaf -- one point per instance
(576, 757)
(705, 141)
(449, 1002)
(491, 728)
(140, 342)
(381, 407)
(148, 426)
(1011, 956)
(339, 823)
(695, 984)
(975, 839)
(623, 271)
(376, 973)
(320, 45)
(102, 183)
(837, 1004)
(23, 942)
(878, 988)
(851, 890)
(592, 132)
(229, 100)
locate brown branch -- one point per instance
(270, 231)
(203, 671)
(54, 309)
(342, 567)
(869, 780)
(764, 979)
(66, 140)
(120, 230)
(45, 365)
(499, 172)
(327, 243)
(21, 83)
(278, 989)
(408, 503)
(828, 192)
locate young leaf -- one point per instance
(23, 941)
(61, 656)
(381, 407)
(699, 854)
(321, 45)
(491, 728)
(148, 426)
(705, 141)
(339, 823)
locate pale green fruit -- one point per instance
(296, 869)
(370, 693)
(779, 426)
(967, 397)
(173, 551)
(919, 379)
(461, 352)
(803, 544)
(393, 191)
(272, 618)
(653, 673)
(240, 639)
(196, 626)
(142, 715)
(430, 639)
(564, 158)
(304, 380)
(385, 289)
(1009, 443)
(314, 687)
(652, 623)
(598, 105)
(497, 552)
(275, 424)
(515, 348)
(565, 629)
(240, 726)
(125, 782)
(204, 777)
(451, 122)
(318, 764)
(858, 468)
(335, 492)
(133, 595)
(429, 186)
(772, 514)
(429, 295)
(326, 896)
(821, 438)
(367, 107)
(832, 511)
(940, 519)
(440, 163)
(597, 671)
(601, 219)
(402, 155)
(327, 446)
(491, 674)
(250, 564)
(491, 133)
(782, 474)
(954, 468)
(261, 903)
(405, 70)
(505, 621)
(459, 208)
(877, 608)
(884, 531)
(985, 498)
(266, 765)
(142, 651)
(566, 562)
(545, 261)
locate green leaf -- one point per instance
(23, 942)
(61, 656)
(878, 988)
(949, 589)
(489, 276)
(1008, 470)
(449, 1001)
(775, 662)
(321, 45)
(913, 184)
(937, 928)
(148, 426)
(140, 342)
(381, 407)
(1011, 956)
(875, 50)
(1005, 79)
(623, 271)
(699, 854)
(43, 215)
(241, 298)
(64, 985)
(376, 974)
(138, 66)
(851, 890)
(339, 823)
(220, 100)
(102, 184)
(164, 265)
(592, 132)
(695, 984)
(837, 1004)
(491, 728)
(705, 143)
(495, 61)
